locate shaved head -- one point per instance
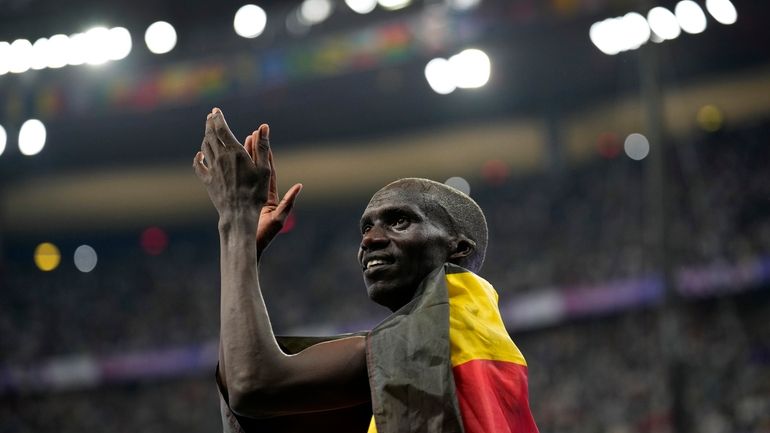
(453, 209)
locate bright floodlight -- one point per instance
(663, 23)
(315, 11)
(250, 21)
(98, 43)
(361, 6)
(120, 43)
(40, 52)
(3, 139)
(723, 11)
(160, 37)
(5, 57)
(471, 68)
(393, 5)
(20, 56)
(637, 146)
(690, 16)
(637, 31)
(59, 46)
(440, 77)
(31, 137)
(77, 49)
(607, 35)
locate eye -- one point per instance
(365, 229)
(400, 222)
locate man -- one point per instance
(442, 362)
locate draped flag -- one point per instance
(443, 363)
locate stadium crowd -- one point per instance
(584, 225)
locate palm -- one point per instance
(273, 214)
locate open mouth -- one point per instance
(375, 263)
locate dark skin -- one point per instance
(260, 380)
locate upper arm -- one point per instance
(325, 376)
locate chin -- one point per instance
(388, 294)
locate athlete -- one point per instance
(421, 243)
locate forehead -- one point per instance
(399, 199)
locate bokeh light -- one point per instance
(40, 52)
(59, 46)
(160, 37)
(153, 241)
(459, 184)
(690, 17)
(313, 12)
(440, 77)
(32, 137)
(250, 21)
(495, 172)
(77, 48)
(471, 68)
(723, 11)
(710, 118)
(393, 5)
(85, 258)
(20, 55)
(663, 23)
(97, 41)
(47, 257)
(361, 6)
(3, 139)
(120, 43)
(608, 145)
(462, 5)
(637, 146)
(289, 224)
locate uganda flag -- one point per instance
(445, 363)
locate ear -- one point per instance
(462, 247)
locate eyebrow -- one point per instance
(390, 211)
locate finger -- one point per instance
(287, 202)
(223, 132)
(263, 144)
(248, 144)
(212, 147)
(272, 191)
(200, 168)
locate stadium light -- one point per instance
(393, 5)
(85, 258)
(3, 139)
(250, 21)
(469, 69)
(361, 6)
(20, 56)
(723, 11)
(120, 43)
(59, 46)
(32, 137)
(462, 5)
(663, 23)
(5, 57)
(312, 12)
(160, 37)
(690, 17)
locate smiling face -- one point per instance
(404, 238)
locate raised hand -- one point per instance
(237, 184)
(274, 213)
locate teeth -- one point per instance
(374, 262)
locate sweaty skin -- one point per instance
(400, 229)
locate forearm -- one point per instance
(249, 353)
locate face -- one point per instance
(403, 240)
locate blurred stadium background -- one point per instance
(619, 148)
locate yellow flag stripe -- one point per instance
(476, 330)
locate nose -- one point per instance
(374, 239)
